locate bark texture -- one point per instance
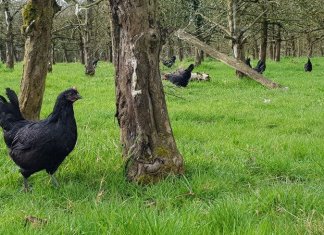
(37, 25)
(88, 41)
(146, 135)
(264, 38)
(9, 36)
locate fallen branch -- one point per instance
(234, 63)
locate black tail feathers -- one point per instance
(9, 111)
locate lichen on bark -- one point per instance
(29, 13)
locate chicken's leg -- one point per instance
(26, 186)
(54, 181)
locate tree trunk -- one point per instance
(198, 21)
(264, 39)
(198, 56)
(234, 21)
(293, 47)
(180, 50)
(278, 43)
(271, 50)
(299, 53)
(146, 134)
(234, 63)
(255, 48)
(170, 50)
(238, 50)
(81, 49)
(110, 53)
(50, 58)
(65, 54)
(37, 24)
(88, 41)
(310, 45)
(9, 37)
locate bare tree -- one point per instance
(146, 134)
(37, 24)
(9, 12)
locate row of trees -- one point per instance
(256, 28)
(134, 32)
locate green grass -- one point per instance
(254, 159)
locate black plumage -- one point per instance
(181, 78)
(260, 67)
(308, 66)
(169, 63)
(11, 119)
(39, 145)
(248, 62)
(95, 62)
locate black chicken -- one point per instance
(181, 78)
(42, 145)
(260, 67)
(308, 66)
(248, 62)
(95, 62)
(169, 63)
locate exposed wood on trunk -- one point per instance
(234, 63)
(145, 131)
(38, 18)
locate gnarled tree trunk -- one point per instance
(145, 131)
(38, 18)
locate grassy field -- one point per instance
(254, 159)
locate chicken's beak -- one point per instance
(78, 97)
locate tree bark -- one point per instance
(37, 24)
(180, 50)
(255, 48)
(234, 21)
(146, 135)
(264, 39)
(234, 63)
(88, 41)
(278, 44)
(9, 36)
(110, 53)
(198, 21)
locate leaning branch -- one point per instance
(234, 63)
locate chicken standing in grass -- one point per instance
(260, 67)
(308, 66)
(169, 63)
(181, 78)
(39, 145)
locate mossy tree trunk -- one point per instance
(37, 24)
(146, 135)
